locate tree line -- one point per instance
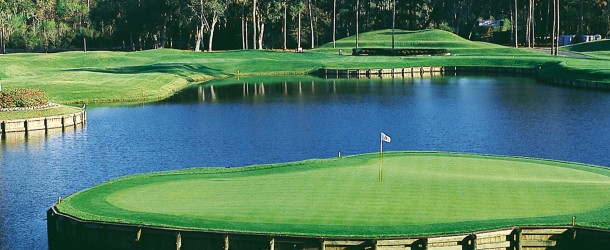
(47, 25)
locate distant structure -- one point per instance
(569, 39)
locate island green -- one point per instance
(421, 193)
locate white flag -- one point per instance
(385, 137)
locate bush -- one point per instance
(11, 98)
(398, 52)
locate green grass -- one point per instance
(421, 194)
(128, 77)
(59, 110)
(432, 39)
(597, 46)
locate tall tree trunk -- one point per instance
(457, 17)
(533, 29)
(473, 26)
(2, 42)
(581, 21)
(311, 25)
(558, 26)
(211, 39)
(357, 16)
(516, 24)
(200, 32)
(334, 23)
(243, 32)
(284, 29)
(548, 17)
(198, 38)
(299, 33)
(164, 31)
(528, 25)
(261, 31)
(246, 34)
(393, 21)
(608, 21)
(254, 24)
(554, 36)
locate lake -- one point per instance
(239, 122)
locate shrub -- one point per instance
(11, 98)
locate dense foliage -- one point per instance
(185, 24)
(11, 98)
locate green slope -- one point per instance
(422, 39)
(597, 46)
(421, 193)
(127, 77)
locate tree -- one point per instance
(254, 24)
(393, 21)
(297, 7)
(556, 29)
(334, 23)
(357, 16)
(5, 17)
(268, 11)
(311, 25)
(284, 5)
(607, 19)
(217, 10)
(516, 22)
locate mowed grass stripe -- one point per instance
(421, 193)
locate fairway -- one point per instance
(422, 193)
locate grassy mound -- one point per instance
(601, 45)
(421, 193)
(424, 39)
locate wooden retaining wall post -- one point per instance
(472, 239)
(424, 244)
(226, 242)
(272, 243)
(517, 239)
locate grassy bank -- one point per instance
(59, 110)
(98, 77)
(421, 193)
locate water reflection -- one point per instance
(36, 136)
(271, 90)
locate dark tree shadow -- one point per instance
(402, 32)
(178, 69)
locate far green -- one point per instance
(422, 193)
(144, 76)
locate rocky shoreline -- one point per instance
(48, 105)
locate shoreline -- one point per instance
(43, 123)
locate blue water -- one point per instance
(253, 122)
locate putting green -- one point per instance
(421, 193)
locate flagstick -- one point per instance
(380, 158)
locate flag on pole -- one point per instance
(385, 137)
